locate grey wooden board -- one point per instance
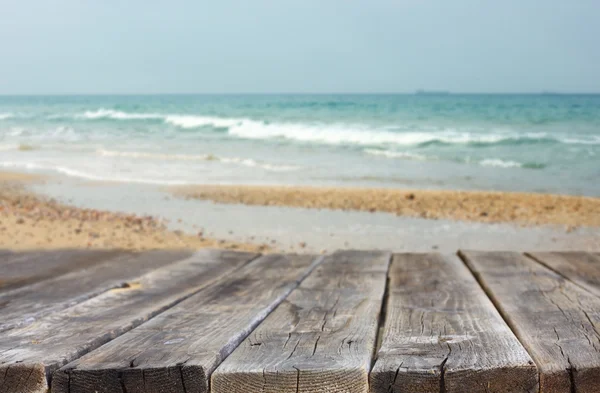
(320, 339)
(442, 334)
(582, 268)
(29, 303)
(23, 268)
(557, 321)
(29, 355)
(178, 350)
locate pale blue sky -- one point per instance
(261, 46)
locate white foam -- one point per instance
(494, 162)
(183, 121)
(89, 176)
(338, 134)
(396, 154)
(4, 116)
(161, 156)
(593, 140)
(60, 133)
(332, 134)
(188, 121)
(117, 115)
(200, 157)
(251, 163)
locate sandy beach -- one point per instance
(30, 221)
(489, 207)
(38, 212)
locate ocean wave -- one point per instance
(593, 140)
(4, 116)
(200, 157)
(57, 133)
(339, 134)
(117, 115)
(343, 134)
(182, 121)
(396, 154)
(490, 162)
(188, 121)
(332, 134)
(500, 163)
(88, 176)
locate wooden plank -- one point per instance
(321, 338)
(556, 321)
(27, 304)
(178, 350)
(23, 268)
(582, 268)
(442, 334)
(29, 355)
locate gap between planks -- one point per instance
(29, 356)
(557, 321)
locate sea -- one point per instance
(533, 143)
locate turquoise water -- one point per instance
(545, 143)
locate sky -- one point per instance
(298, 46)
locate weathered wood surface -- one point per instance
(442, 334)
(23, 268)
(29, 355)
(320, 339)
(557, 321)
(25, 305)
(582, 268)
(178, 350)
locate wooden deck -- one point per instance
(352, 321)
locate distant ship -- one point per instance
(422, 92)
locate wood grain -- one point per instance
(23, 268)
(29, 355)
(582, 268)
(556, 321)
(442, 334)
(178, 350)
(25, 305)
(320, 339)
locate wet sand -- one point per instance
(58, 212)
(30, 221)
(474, 206)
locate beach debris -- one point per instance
(410, 196)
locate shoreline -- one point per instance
(63, 212)
(526, 209)
(29, 221)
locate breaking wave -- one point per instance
(343, 134)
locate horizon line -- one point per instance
(419, 92)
